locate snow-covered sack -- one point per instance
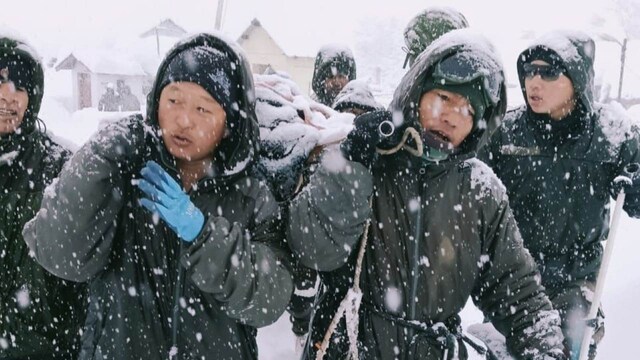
(291, 126)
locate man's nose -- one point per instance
(184, 120)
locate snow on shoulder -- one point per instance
(616, 126)
(485, 180)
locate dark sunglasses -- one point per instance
(546, 72)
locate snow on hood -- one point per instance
(356, 94)
(24, 45)
(616, 126)
(330, 51)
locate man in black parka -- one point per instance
(40, 314)
(180, 245)
(558, 156)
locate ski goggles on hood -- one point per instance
(464, 67)
(546, 72)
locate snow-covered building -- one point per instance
(93, 71)
(265, 55)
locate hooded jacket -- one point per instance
(559, 174)
(330, 60)
(40, 314)
(439, 234)
(151, 295)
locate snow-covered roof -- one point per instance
(103, 61)
(166, 28)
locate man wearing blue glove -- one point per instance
(180, 244)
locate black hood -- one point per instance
(21, 51)
(406, 97)
(237, 151)
(577, 52)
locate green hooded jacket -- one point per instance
(427, 26)
(40, 314)
(153, 296)
(440, 233)
(559, 174)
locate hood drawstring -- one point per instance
(408, 132)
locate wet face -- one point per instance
(447, 116)
(13, 105)
(549, 96)
(334, 84)
(192, 122)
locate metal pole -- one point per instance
(219, 14)
(623, 53)
(602, 274)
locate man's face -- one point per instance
(13, 104)
(335, 83)
(447, 116)
(548, 94)
(192, 121)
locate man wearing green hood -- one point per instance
(558, 156)
(335, 66)
(40, 314)
(427, 26)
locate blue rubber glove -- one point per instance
(166, 198)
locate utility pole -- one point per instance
(623, 53)
(157, 42)
(219, 14)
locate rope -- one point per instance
(350, 305)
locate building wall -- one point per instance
(262, 50)
(301, 71)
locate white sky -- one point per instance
(302, 26)
(299, 23)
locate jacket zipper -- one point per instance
(177, 293)
(414, 266)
